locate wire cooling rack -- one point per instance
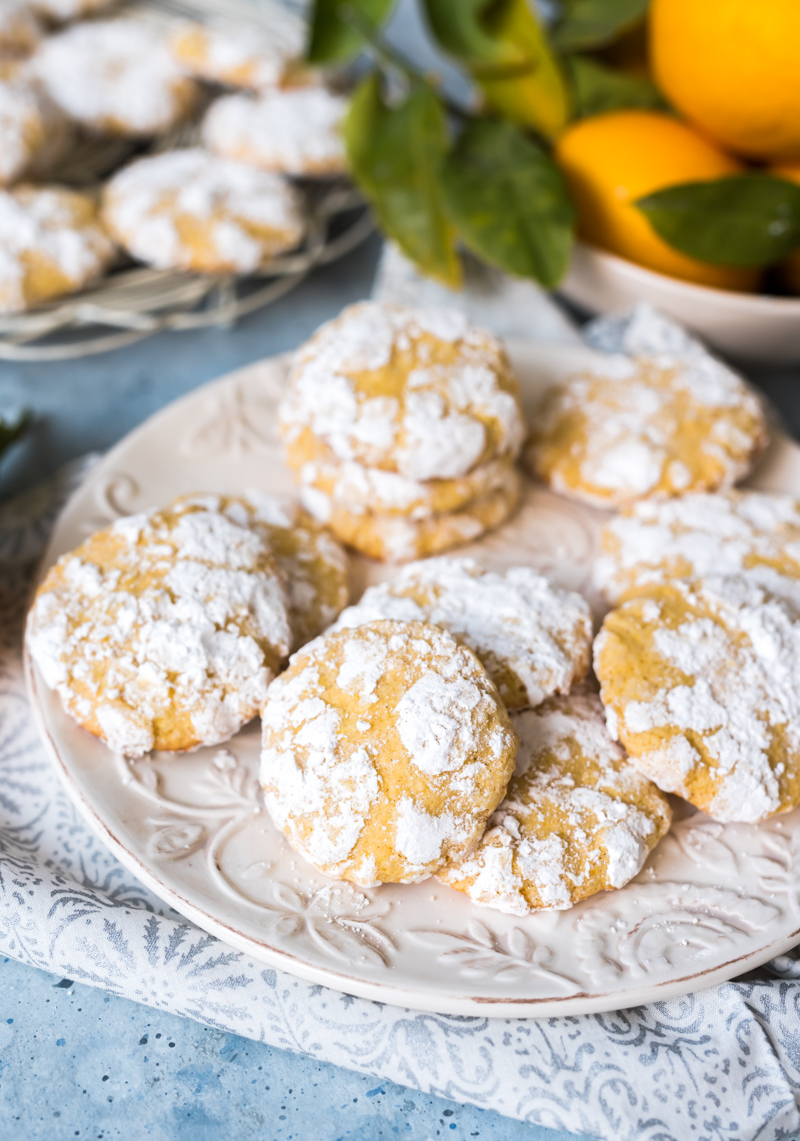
(133, 301)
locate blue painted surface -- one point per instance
(75, 1063)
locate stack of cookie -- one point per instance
(402, 428)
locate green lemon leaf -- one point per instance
(509, 201)
(595, 23)
(597, 88)
(505, 48)
(742, 220)
(464, 29)
(396, 155)
(334, 27)
(12, 429)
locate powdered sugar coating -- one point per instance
(62, 10)
(577, 817)
(697, 535)
(701, 683)
(115, 76)
(291, 130)
(31, 128)
(51, 243)
(417, 392)
(188, 209)
(397, 538)
(235, 54)
(385, 749)
(313, 564)
(162, 631)
(533, 638)
(365, 490)
(650, 426)
(19, 29)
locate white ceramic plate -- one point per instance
(746, 325)
(712, 902)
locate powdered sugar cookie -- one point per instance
(235, 54)
(417, 392)
(701, 684)
(577, 817)
(697, 535)
(385, 750)
(532, 638)
(360, 489)
(115, 76)
(163, 631)
(60, 11)
(52, 244)
(32, 130)
(650, 427)
(188, 209)
(398, 538)
(314, 565)
(19, 29)
(292, 130)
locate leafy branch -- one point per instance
(439, 176)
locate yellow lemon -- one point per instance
(611, 160)
(732, 67)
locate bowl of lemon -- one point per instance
(696, 207)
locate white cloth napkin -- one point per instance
(724, 1063)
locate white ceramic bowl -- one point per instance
(747, 325)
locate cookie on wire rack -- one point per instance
(237, 55)
(33, 132)
(52, 243)
(191, 210)
(20, 31)
(385, 749)
(291, 130)
(115, 77)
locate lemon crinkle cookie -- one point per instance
(292, 130)
(577, 817)
(51, 243)
(385, 749)
(653, 426)
(60, 11)
(701, 684)
(397, 538)
(412, 391)
(188, 209)
(532, 638)
(313, 564)
(334, 484)
(19, 30)
(235, 54)
(116, 77)
(751, 532)
(163, 631)
(33, 131)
